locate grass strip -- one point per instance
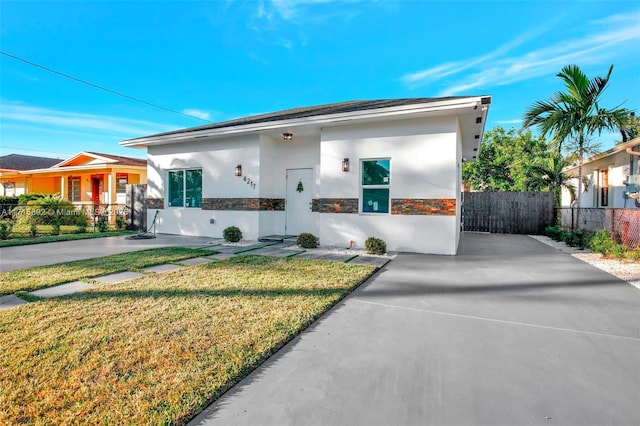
(158, 349)
(63, 237)
(46, 276)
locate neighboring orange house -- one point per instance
(86, 179)
(11, 181)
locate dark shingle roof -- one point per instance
(290, 114)
(26, 162)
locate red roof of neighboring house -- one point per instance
(125, 161)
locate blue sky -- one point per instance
(219, 60)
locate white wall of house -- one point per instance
(217, 158)
(276, 157)
(618, 167)
(423, 154)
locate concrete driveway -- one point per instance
(509, 332)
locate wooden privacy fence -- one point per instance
(507, 212)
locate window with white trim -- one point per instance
(73, 187)
(185, 188)
(375, 178)
(122, 179)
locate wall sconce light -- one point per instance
(238, 170)
(287, 136)
(345, 165)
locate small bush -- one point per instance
(375, 246)
(103, 223)
(232, 234)
(83, 222)
(5, 229)
(575, 238)
(602, 242)
(121, 223)
(307, 240)
(33, 230)
(555, 232)
(55, 227)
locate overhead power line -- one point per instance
(100, 87)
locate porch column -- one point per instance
(63, 187)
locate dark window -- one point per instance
(375, 180)
(185, 188)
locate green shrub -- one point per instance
(33, 230)
(602, 242)
(55, 227)
(232, 234)
(44, 210)
(634, 254)
(5, 229)
(103, 223)
(83, 222)
(555, 232)
(375, 246)
(24, 199)
(7, 205)
(121, 223)
(307, 240)
(575, 238)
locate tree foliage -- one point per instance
(574, 115)
(504, 162)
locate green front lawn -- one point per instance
(46, 276)
(158, 349)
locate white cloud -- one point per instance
(613, 35)
(57, 120)
(285, 22)
(514, 121)
(197, 113)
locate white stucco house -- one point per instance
(612, 178)
(344, 172)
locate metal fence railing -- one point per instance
(623, 224)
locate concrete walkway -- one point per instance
(12, 258)
(509, 332)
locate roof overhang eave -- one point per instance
(328, 119)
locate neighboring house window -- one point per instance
(73, 183)
(375, 180)
(604, 188)
(185, 188)
(122, 179)
(9, 189)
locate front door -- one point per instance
(298, 204)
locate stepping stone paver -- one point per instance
(118, 277)
(276, 251)
(378, 262)
(331, 257)
(196, 261)
(158, 269)
(221, 256)
(11, 301)
(62, 289)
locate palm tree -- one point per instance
(548, 174)
(576, 113)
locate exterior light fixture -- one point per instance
(238, 170)
(345, 165)
(287, 136)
